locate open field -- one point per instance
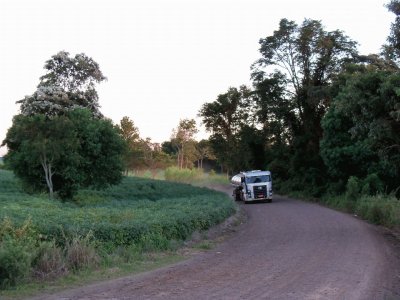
(137, 216)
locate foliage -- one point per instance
(224, 118)
(141, 154)
(68, 84)
(378, 209)
(182, 140)
(60, 139)
(361, 128)
(133, 156)
(121, 222)
(17, 251)
(204, 151)
(381, 210)
(81, 253)
(292, 100)
(64, 152)
(391, 50)
(183, 175)
(132, 212)
(353, 188)
(49, 261)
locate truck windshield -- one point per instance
(257, 179)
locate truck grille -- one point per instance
(260, 191)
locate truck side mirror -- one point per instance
(242, 179)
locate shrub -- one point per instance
(17, 250)
(353, 188)
(380, 209)
(372, 185)
(15, 261)
(81, 253)
(49, 261)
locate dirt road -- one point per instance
(287, 249)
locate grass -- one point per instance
(144, 263)
(116, 228)
(378, 209)
(194, 176)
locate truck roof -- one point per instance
(255, 173)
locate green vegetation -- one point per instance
(194, 176)
(322, 117)
(60, 141)
(380, 209)
(98, 227)
(363, 198)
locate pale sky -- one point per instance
(163, 59)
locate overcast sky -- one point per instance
(163, 59)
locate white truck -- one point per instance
(253, 185)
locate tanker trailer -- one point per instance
(253, 185)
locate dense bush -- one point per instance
(17, 251)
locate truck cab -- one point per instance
(255, 185)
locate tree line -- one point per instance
(60, 142)
(318, 112)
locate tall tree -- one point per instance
(134, 152)
(362, 127)
(64, 153)
(306, 59)
(182, 138)
(391, 50)
(224, 118)
(71, 144)
(205, 151)
(68, 84)
(309, 58)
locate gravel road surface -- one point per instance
(286, 249)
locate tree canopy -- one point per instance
(60, 140)
(318, 113)
(68, 84)
(64, 153)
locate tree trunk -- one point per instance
(48, 173)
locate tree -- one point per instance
(306, 59)
(182, 139)
(37, 146)
(60, 139)
(204, 151)
(224, 118)
(64, 153)
(134, 156)
(68, 84)
(154, 158)
(391, 50)
(362, 126)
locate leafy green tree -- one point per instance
(68, 84)
(60, 140)
(134, 155)
(295, 97)
(183, 140)
(64, 153)
(362, 126)
(37, 147)
(204, 151)
(224, 118)
(391, 50)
